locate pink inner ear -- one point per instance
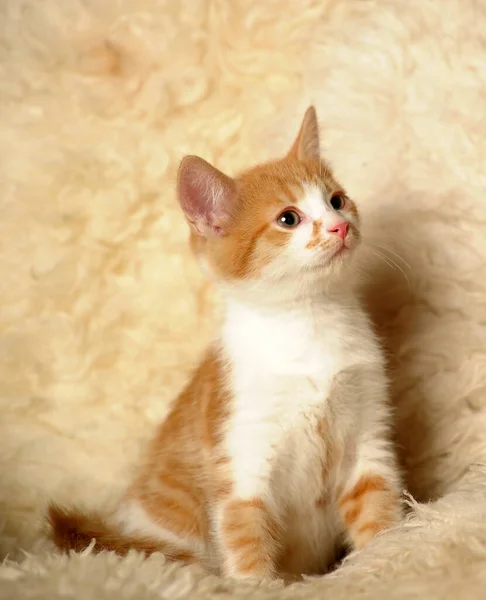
(206, 195)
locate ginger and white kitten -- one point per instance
(278, 449)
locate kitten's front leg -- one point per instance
(249, 538)
(248, 528)
(369, 501)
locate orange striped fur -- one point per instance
(260, 467)
(250, 537)
(369, 507)
(73, 530)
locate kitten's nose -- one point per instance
(339, 229)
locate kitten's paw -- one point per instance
(255, 573)
(371, 506)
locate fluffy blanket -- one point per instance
(103, 311)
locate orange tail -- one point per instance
(74, 530)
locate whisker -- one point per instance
(361, 272)
(391, 263)
(391, 251)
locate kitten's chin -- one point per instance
(340, 251)
(338, 258)
(345, 248)
(333, 273)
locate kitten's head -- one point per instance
(287, 220)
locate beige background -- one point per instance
(103, 312)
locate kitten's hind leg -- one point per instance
(165, 507)
(133, 520)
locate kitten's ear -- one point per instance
(306, 144)
(206, 195)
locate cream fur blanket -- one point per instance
(103, 312)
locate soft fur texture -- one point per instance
(278, 449)
(103, 311)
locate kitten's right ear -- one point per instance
(206, 195)
(306, 145)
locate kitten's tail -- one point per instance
(75, 530)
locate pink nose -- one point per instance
(339, 229)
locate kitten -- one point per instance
(278, 449)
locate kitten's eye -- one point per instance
(338, 202)
(289, 218)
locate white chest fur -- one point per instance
(315, 340)
(283, 364)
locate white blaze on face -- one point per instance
(310, 244)
(314, 203)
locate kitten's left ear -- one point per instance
(306, 144)
(206, 195)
